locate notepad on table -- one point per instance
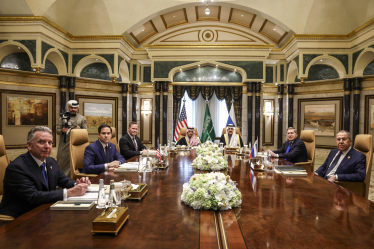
(88, 196)
(126, 167)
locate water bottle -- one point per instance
(101, 198)
(112, 195)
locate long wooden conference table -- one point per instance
(277, 212)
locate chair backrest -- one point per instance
(78, 143)
(364, 144)
(182, 133)
(309, 139)
(113, 140)
(237, 130)
(4, 161)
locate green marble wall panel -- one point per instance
(269, 74)
(109, 58)
(369, 69)
(207, 74)
(120, 59)
(96, 70)
(1, 41)
(254, 69)
(297, 79)
(30, 45)
(119, 79)
(276, 73)
(21, 61)
(162, 68)
(371, 46)
(66, 58)
(45, 48)
(76, 59)
(147, 74)
(308, 58)
(281, 73)
(322, 72)
(128, 67)
(354, 58)
(343, 58)
(134, 72)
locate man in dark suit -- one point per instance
(344, 163)
(31, 179)
(130, 144)
(101, 155)
(293, 150)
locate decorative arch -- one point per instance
(124, 72)
(292, 72)
(55, 56)
(90, 60)
(206, 63)
(11, 47)
(327, 60)
(365, 57)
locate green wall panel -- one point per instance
(31, 45)
(162, 68)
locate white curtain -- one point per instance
(196, 109)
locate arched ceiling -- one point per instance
(116, 17)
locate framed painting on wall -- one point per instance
(324, 116)
(22, 110)
(98, 110)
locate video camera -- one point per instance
(65, 117)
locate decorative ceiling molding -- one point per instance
(169, 39)
(237, 17)
(209, 47)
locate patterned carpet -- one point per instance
(321, 156)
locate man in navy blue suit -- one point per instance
(101, 155)
(344, 163)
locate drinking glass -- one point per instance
(118, 189)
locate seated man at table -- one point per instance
(130, 144)
(231, 139)
(343, 163)
(293, 150)
(101, 155)
(31, 179)
(191, 139)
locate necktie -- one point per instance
(288, 148)
(44, 174)
(107, 154)
(136, 147)
(333, 164)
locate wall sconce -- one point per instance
(268, 108)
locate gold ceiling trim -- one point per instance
(223, 31)
(212, 46)
(198, 37)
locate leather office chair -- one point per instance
(182, 133)
(237, 130)
(363, 144)
(309, 139)
(113, 140)
(78, 143)
(4, 161)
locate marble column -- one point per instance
(347, 104)
(63, 88)
(164, 113)
(125, 89)
(157, 110)
(249, 112)
(71, 87)
(257, 111)
(280, 114)
(356, 85)
(291, 92)
(134, 90)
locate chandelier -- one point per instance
(207, 10)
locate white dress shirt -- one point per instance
(332, 172)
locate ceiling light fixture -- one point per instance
(242, 15)
(207, 10)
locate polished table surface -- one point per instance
(277, 212)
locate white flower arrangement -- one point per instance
(207, 148)
(211, 191)
(213, 161)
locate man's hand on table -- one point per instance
(78, 190)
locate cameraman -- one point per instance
(68, 121)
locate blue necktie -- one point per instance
(288, 148)
(45, 174)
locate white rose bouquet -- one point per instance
(211, 191)
(213, 161)
(207, 148)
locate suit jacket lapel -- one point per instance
(34, 167)
(345, 160)
(50, 169)
(131, 142)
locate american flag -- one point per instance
(158, 154)
(182, 122)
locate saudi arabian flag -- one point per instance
(208, 129)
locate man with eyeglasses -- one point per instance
(343, 163)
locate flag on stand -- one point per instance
(253, 180)
(254, 149)
(158, 154)
(182, 122)
(231, 119)
(208, 129)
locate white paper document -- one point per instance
(129, 166)
(88, 196)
